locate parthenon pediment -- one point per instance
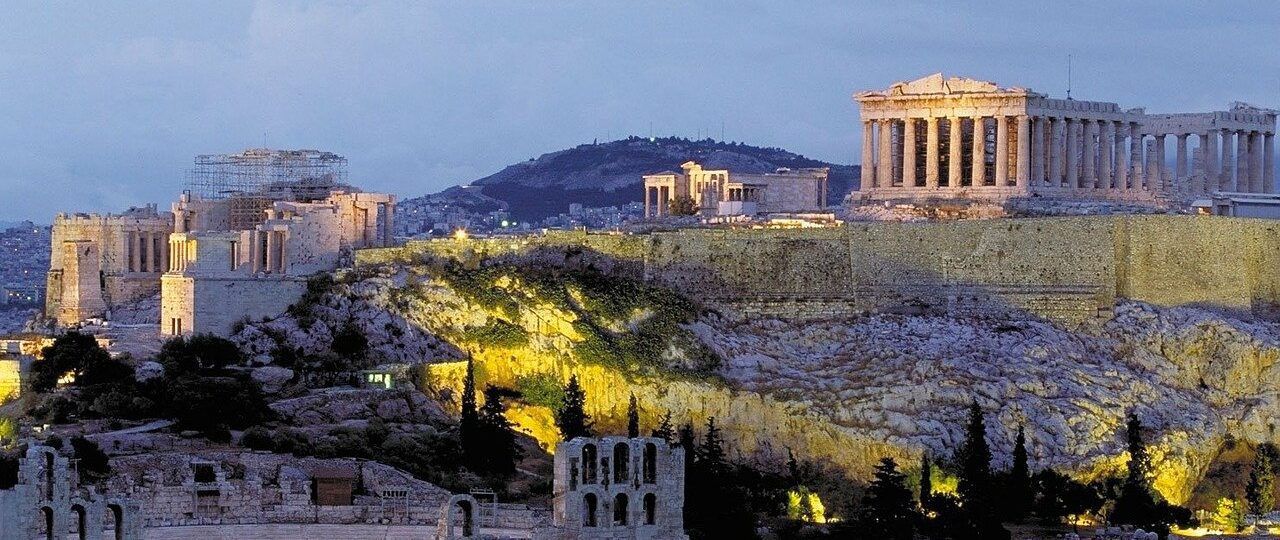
(939, 84)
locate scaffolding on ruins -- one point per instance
(253, 179)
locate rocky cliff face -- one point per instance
(849, 391)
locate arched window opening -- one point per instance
(621, 461)
(620, 509)
(465, 513)
(47, 514)
(589, 464)
(650, 466)
(78, 512)
(650, 508)
(116, 514)
(48, 476)
(589, 505)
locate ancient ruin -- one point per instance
(48, 502)
(957, 138)
(719, 192)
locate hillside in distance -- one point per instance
(608, 173)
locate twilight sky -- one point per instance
(103, 105)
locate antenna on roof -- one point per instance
(1068, 76)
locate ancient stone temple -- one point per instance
(956, 138)
(720, 192)
(48, 502)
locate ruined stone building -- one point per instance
(956, 138)
(720, 192)
(98, 262)
(49, 503)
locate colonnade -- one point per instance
(660, 195)
(148, 251)
(269, 254)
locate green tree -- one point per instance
(711, 456)
(683, 205)
(1058, 497)
(79, 355)
(1018, 482)
(1260, 491)
(469, 424)
(1138, 504)
(633, 418)
(665, 431)
(199, 352)
(926, 483)
(975, 485)
(1229, 515)
(888, 509)
(572, 418)
(498, 451)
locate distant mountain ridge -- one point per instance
(609, 173)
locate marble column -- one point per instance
(909, 152)
(135, 256)
(868, 157)
(1255, 163)
(1023, 175)
(1037, 151)
(1106, 144)
(1242, 161)
(1073, 148)
(647, 189)
(1119, 163)
(955, 161)
(1090, 155)
(931, 152)
(164, 253)
(1180, 165)
(271, 251)
(884, 165)
(1212, 171)
(978, 166)
(1160, 163)
(1002, 151)
(1137, 178)
(1269, 163)
(1057, 147)
(1228, 182)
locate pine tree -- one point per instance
(926, 483)
(1139, 461)
(572, 418)
(468, 427)
(633, 418)
(889, 511)
(498, 451)
(1138, 504)
(711, 457)
(975, 464)
(665, 431)
(1019, 481)
(1260, 491)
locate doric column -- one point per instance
(271, 251)
(1090, 155)
(1073, 148)
(1212, 169)
(1002, 151)
(1180, 165)
(868, 158)
(1057, 149)
(884, 165)
(1037, 151)
(909, 152)
(165, 264)
(978, 166)
(1269, 163)
(955, 161)
(1227, 179)
(1255, 163)
(1106, 144)
(1137, 177)
(1242, 161)
(1158, 168)
(1119, 163)
(135, 253)
(1023, 175)
(863, 187)
(931, 152)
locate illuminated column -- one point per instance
(1037, 151)
(647, 188)
(955, 163)
(283, 261)
(1212, 169)
(931, 152)
(1073, 147)
(1002, 151)
(1228, 182)
(868, 156)
(1242, 161)
(1139, 179)
(165, 264)
(255, 250)
(1090, 155)
(908, 152)
(1106, 143)
(1057, 147)
(884, 166)
(1119, 163)
(978, 165)
(272, 256)
(1269, 163)
(1255, 162)
(1158, 168)
(1022, 177)
(1180, 165)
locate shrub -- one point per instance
(541, 389)
(93, 462)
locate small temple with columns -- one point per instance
(957, 138)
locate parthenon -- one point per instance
(918, 142)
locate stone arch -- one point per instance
(46, 515)
(78, 513)
(49, 461)
(116, 512)
(650, 509)
(589, 463)
(620, 510)
(590, 505)
(649, 466)
(460, 512)
(621, 461)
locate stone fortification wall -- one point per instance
(1068, 269)
(214, 305)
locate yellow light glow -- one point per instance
(805, 505)
(460, 234)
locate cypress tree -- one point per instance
(572, 418)
(889, 511)
(633, 418)
(926, 483)
(711, 458)
(1260, 491)
(665, 431)
(498, 452)
(468, 427)
(1019, 480)
(975, 463)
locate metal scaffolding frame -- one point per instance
(253, 179)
